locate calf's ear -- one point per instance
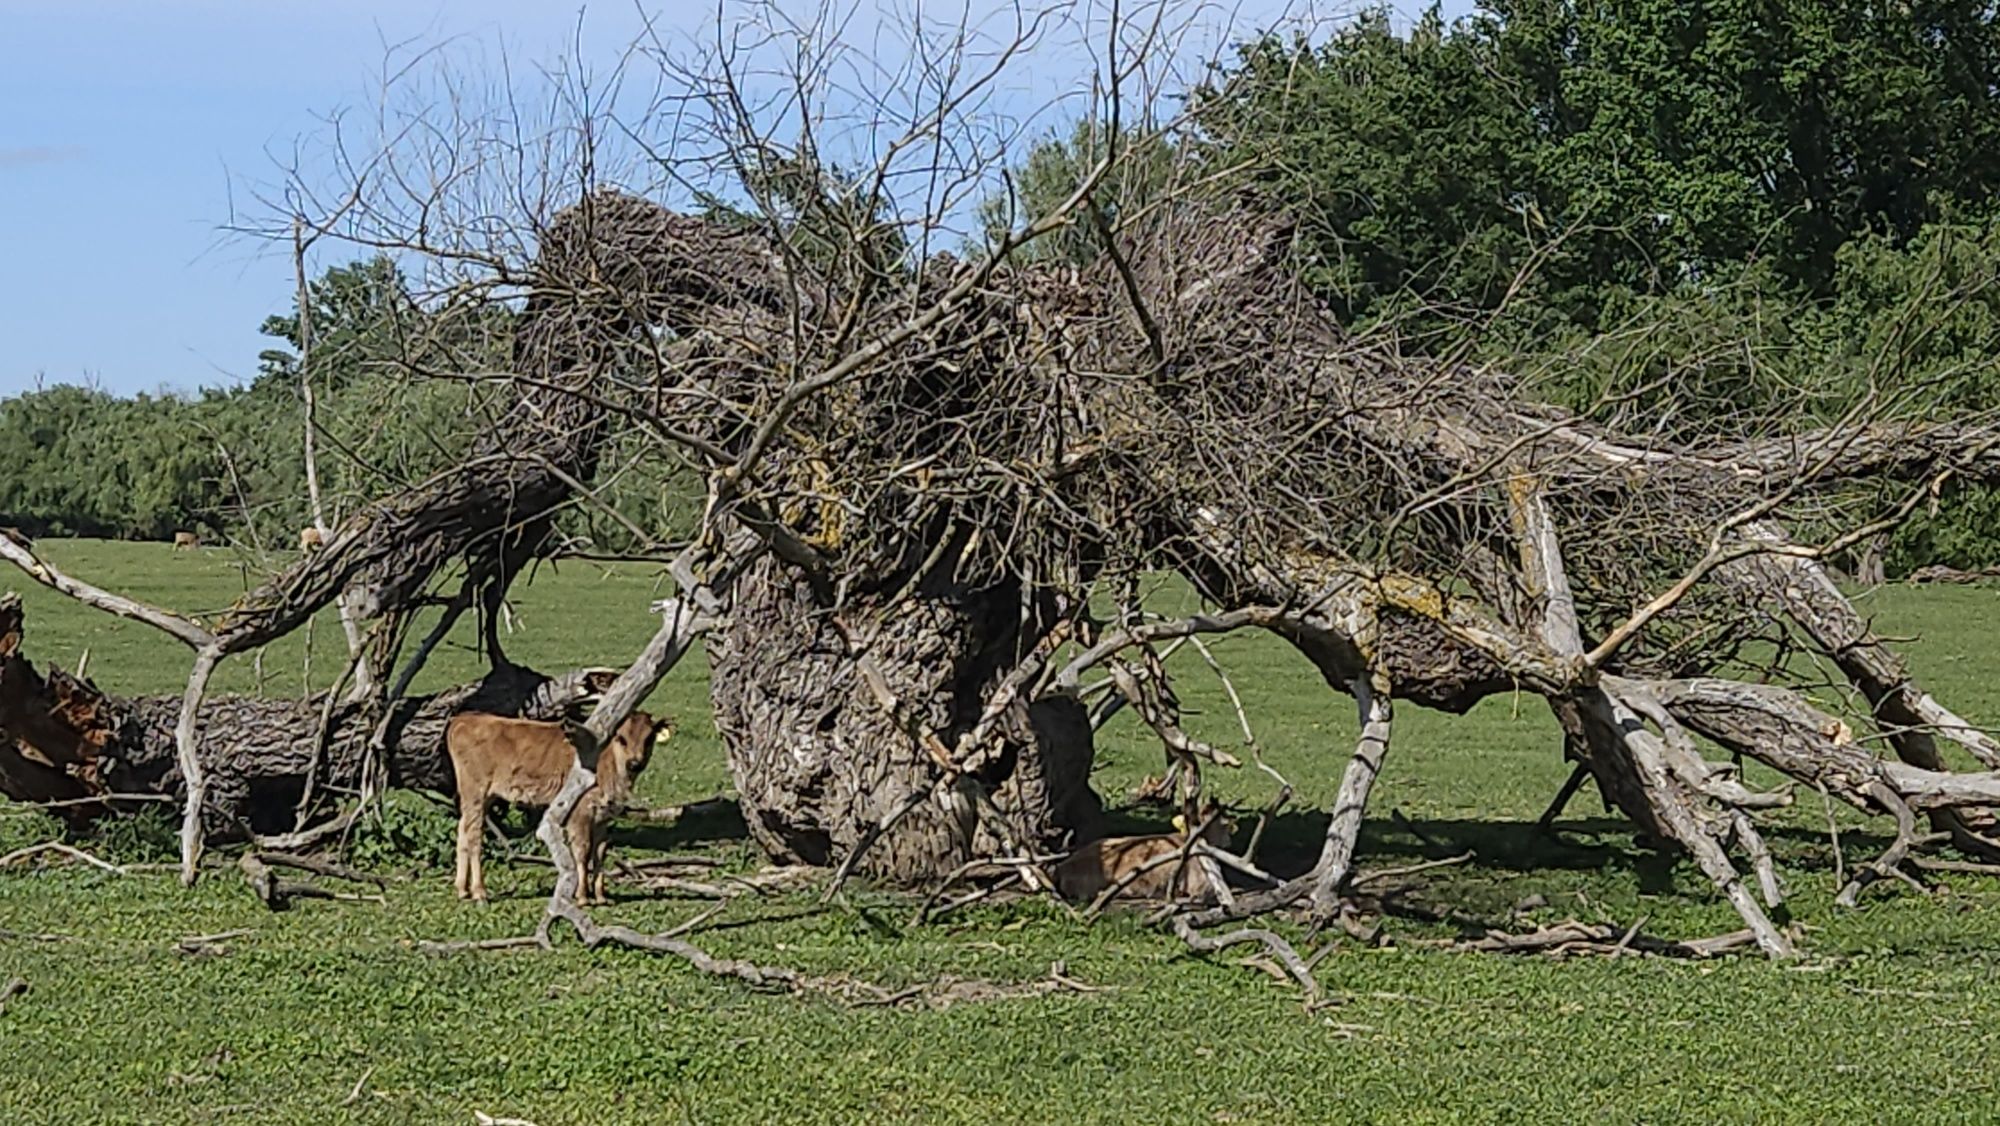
(579, 736)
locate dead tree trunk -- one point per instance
(820, 763)
(64, 740)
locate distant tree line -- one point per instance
(230, 463)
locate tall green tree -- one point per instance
(1409, 164)
(1139, 176)
(1625, 146)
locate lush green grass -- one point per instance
(1891, 1019)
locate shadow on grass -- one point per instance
(705, 822)
(1292, 843)
(1500, 847)
(720, 820)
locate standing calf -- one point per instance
(524, 762)
(186, 541)
(1102, 863)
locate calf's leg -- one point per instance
(471, 878)
(600, 842)
(578, 839)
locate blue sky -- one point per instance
(132, 127)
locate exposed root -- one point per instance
(1890, 862)
(1573, 938)
(22, 855)
(277, 893)
(1275, 946)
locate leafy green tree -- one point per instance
(388, 412)
(1634, 146)
(361, 315)
(232, 460)
(1408, 165)
(1140, 175)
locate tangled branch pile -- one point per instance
(944, 464)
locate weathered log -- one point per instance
(64, 739)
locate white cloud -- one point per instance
(30, 155)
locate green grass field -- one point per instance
(329, 1012)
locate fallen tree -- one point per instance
(919, 470)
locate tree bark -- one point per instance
(820, 763)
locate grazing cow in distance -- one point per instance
(524, 762)
(310, 540)
(186, 541)
(1103, 863)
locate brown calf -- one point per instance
(524, 762)
(186, 541)
(1102, 863)
(310, 539)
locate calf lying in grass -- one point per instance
(1156, 858)
(523, 762)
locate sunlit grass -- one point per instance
(1890, 1019)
